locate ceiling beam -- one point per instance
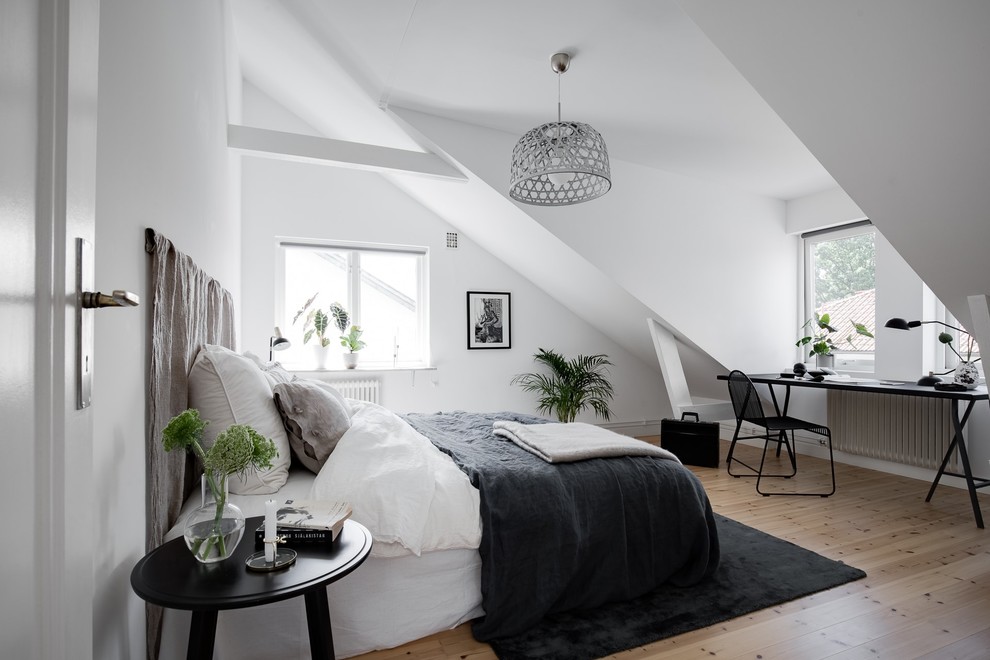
(338, 153)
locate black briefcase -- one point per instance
(694, 442)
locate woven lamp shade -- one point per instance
(559, 163)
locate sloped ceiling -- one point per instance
(891, 97)
(642, 73)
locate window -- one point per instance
(965, 345)
(382, 287)
(840, 280)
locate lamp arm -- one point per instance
(945, 324)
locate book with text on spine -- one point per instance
(308, 522)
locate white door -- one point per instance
(48, 76)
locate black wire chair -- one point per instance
(776, 428)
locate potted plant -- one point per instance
(349, 339)
(315, 324)
(572, 385)
(820, 339)
(214, 529)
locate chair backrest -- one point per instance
(745, 400)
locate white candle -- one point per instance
(270, 511)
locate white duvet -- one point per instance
(412, 497)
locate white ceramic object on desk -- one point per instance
(967, 375)
(350, 360)
(825, 361)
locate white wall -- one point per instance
(827, 208)
(887, 96)
(283, 198)
(21, 76)
(713, 263)
(162, 163)
(899, 355)
(312, 201)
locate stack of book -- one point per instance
(307, 522)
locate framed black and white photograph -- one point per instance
(489, 318)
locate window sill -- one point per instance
(371, 369)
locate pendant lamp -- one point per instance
(560, 162)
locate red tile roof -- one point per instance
(859, 307)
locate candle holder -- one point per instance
(284, 557)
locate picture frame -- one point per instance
(489, 320)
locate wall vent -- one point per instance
(452, 240)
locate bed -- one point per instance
(467, 525)
(455, 539)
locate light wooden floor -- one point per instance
(926, 594)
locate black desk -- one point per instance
(969, 397)
(171, 577)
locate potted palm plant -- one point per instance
(571, 386)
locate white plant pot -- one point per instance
(321, 353)
(350, 360)
(825, 361)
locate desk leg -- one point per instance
(318, 620)
(960, 443)
(202, 632)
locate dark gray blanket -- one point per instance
(557, 537)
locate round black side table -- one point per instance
(171, 577)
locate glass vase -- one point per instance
(967, 375)
(213, 530)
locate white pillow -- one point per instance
(274, 371)
(227, 388)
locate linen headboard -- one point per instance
(188, 309)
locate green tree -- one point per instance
(843, 267)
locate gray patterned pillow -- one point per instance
(314, 419)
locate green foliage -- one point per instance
(236, 449)
(572, 385)
(821, 330)
(315, 323)
(340, 316)
(185, 431)
(946, 339)
(352, 340)
(843, 267)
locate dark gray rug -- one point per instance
(756, 571)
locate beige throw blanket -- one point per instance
(576, 441)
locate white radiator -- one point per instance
(892, 427)
(366, 389)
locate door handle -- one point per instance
(118, 298)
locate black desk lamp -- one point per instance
(277, 343)
(902, 324)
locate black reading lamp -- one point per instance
(902, 324)
(277, 343)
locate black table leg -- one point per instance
(318, 620)
(959, 443)
(202, 633)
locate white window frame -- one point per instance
(354, 250)
(945, 359)
(845, 361)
